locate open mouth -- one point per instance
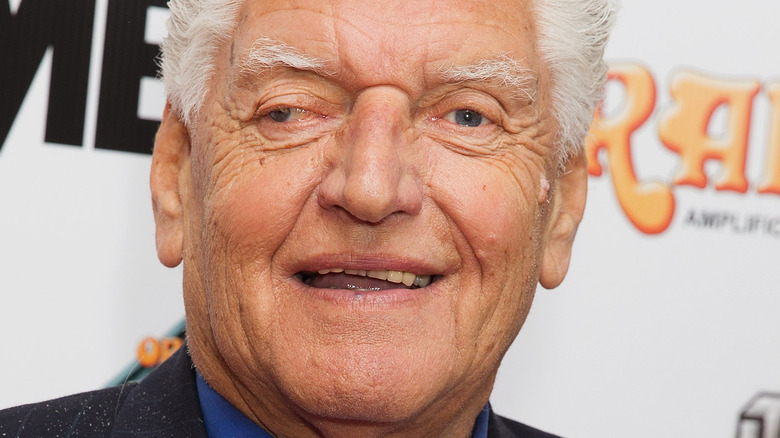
(359, 280)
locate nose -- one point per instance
(374, 174)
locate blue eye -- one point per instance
(285, 115)
(465, 117)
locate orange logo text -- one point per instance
(683, 128)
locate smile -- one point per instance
(363, 280)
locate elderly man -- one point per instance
(364, 196)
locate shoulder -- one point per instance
(87, 414)
(502, 427)
(164, 404)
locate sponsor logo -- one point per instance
(152, 352)
(760, 418)
(66, 29)
(687, 127)
(739, 223)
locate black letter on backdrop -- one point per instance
(67, 26)
(126, 59)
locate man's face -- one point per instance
(377, 144)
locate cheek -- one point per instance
(492, 204)
(251, 204)
(256, 200)
(493, 209)
(251, 196)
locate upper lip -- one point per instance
(371, 262)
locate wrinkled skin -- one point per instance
(374, 171)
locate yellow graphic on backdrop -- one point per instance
(683, 128)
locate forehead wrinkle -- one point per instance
(506, 71)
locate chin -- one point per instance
(362, 410)
(370, 385)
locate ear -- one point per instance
(568, 206)
(171, 153)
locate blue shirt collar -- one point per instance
(223, 420)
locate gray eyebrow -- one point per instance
(505, 70)
(267, 53)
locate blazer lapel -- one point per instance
(164, 404)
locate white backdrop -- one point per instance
(665, 334)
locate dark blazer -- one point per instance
(164, 404)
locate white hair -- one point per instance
(572, 35)
(195, 31)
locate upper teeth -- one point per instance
(407, 278)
